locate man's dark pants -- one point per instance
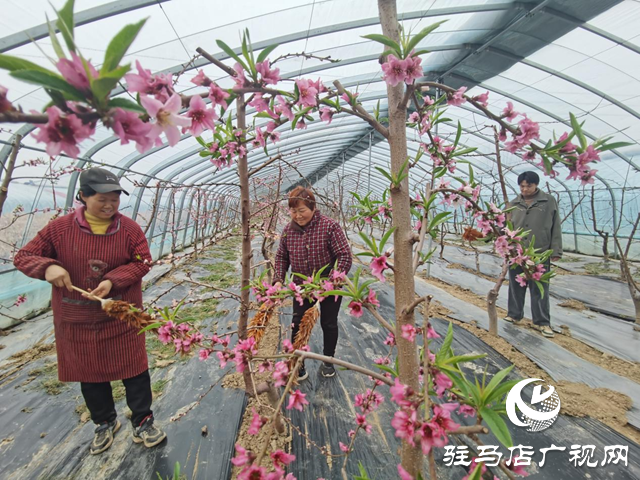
(540, 305)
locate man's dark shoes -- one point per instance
(327, 370)
(103, 437)
(302, 373)
(148, 433)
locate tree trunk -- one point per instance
(492, 298)
(6, 180)
(404, 280)
(243, 173)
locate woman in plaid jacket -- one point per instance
(310, 242)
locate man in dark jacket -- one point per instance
(537, 212)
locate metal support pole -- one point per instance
(369, 180)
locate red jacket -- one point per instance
(91, 346)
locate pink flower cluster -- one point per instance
(20, 300)
(356, 307)
(63, 132)
(397, 71)
(224, 155)
(578, 164)
(489, 220)
(440, 153)
(457, 98)
(411, 428)
(421, 122)
(378, 265)
(245, 458)
(180, 335)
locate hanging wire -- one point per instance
(306, 40)
(174, 30)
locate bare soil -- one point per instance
(254, 443)
(574, 304)
(619, 366)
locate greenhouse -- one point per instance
(319, 240)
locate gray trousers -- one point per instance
(517, 295)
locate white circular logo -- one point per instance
(535, 418)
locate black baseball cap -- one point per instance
(101, 180)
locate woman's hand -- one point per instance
(58, 277)
(102, 290)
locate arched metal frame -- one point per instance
(519, 12)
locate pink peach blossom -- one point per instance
(128, 126)
(63, 133)
(159, 85)
(297, 400)
(307, 93)
(166, 118)
(75, 73)
(457, 98)
(217, 96)
(355, 309)
(378, 266)
(201, 117)
(394, 70)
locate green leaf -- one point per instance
(477, 473)
(370, 243)
(387, 369)
(247, 56)
(577, 128)
(384, 239)
(463, 358)
(49, 80)
(385, 173)
(102, 86)
(420, 35)
(363, 473)
(438, 219)
(226, 49)
(421, 52)
(613, 146)
(446, 344)
(497, 378)
(65, 24)
(504, 388)
(497, 426)
(464, 151)
(265, 53)
(126, 104)
(176, 471)
(8, 62)
(540, 286)
(150, 327)
(458, 134)
(54, 39)
(385, 41)
(119, 45)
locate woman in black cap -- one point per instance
(99, 250)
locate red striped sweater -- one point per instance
(91, 346)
